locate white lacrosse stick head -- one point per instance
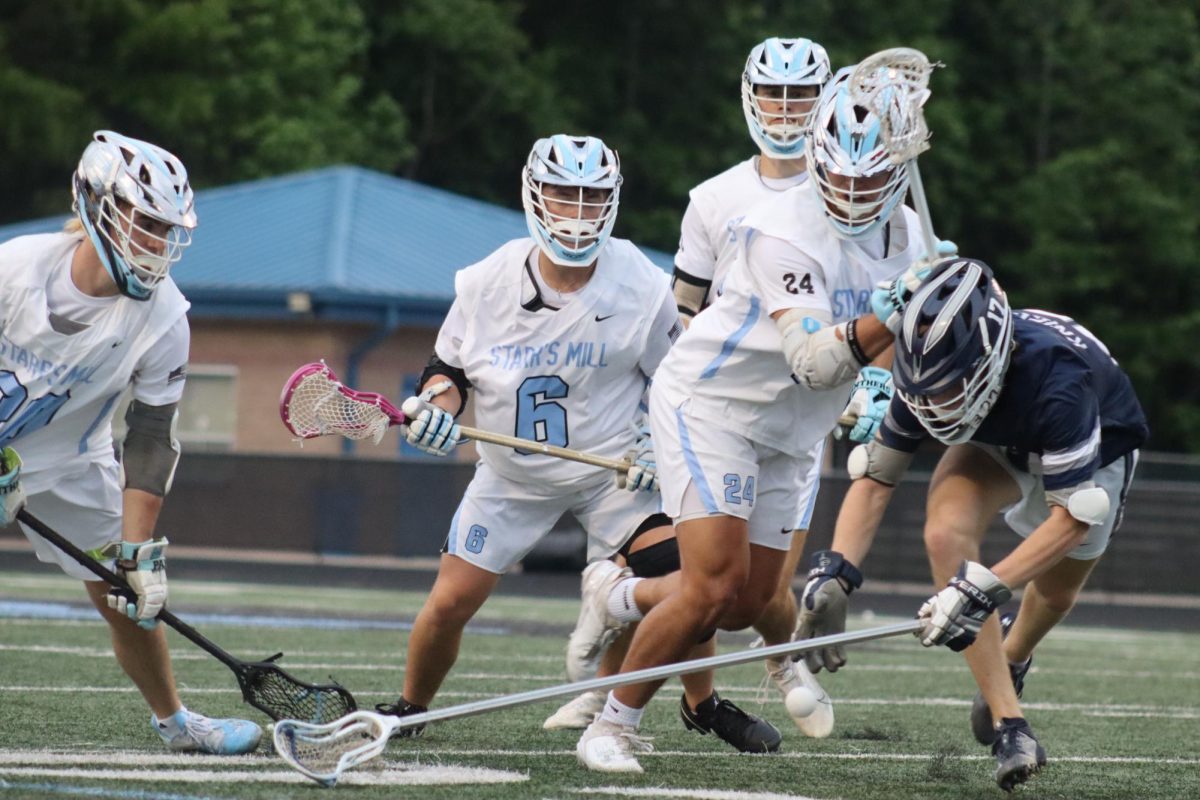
(324, 752)
(315, 403)
(894, 85)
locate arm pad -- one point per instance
(877, 461)
(150, 452)
(1087, 502)
(817, 351)
(456, 374)
(690, 293)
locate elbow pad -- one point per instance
(817, 351)
(456, 374)
(690, 293)
(1087, 502)
(151, 452)
(877, 461)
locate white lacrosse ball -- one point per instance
(800, 702)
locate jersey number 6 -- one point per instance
(538, 417)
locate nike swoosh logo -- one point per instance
(786, 531)
(601, 319)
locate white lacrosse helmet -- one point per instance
(850, 164)
(800, 67)
(583, 163)
(136, 206)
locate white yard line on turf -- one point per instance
(1090, 709)
(696, 794)
(240, 763)
(383, 663)
(414, 776)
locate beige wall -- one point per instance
(266, 353)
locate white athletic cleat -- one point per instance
(787, 675)
(576, 714)
(189, 732)
(608, 747)
(595, 629)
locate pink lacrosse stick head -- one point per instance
(315, 403)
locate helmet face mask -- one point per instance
(136, 206)
(780, 84)
(852, 172)
(954, 349)
(571, 189)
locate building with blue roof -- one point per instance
(342, 263)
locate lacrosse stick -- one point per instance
(264, 685)
(894, 85)
(315, 403)
(324, 752)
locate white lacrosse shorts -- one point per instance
(84, 509)
(500, 520)
(705, 471)
(1032, 510)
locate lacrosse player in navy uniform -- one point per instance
(556, 335)
(1042, 425)
(84, 314)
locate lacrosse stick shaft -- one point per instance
(89, 563)
(545, 449)
(655, 673)
(916, 188)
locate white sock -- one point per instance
(621, 604)
(618, 713)
(168, 725)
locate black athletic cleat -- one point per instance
(1018, 754)
(403, 708)
(745, 732)
(981, 716)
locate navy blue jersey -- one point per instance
(1064, 399)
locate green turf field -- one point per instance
(1118, 711)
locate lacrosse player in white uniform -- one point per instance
(780, 84)
(557, 336)
(746, 393)
(84, 314)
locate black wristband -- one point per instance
(852, 340)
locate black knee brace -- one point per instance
(661, 558)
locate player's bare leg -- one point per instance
(142, 654)
(1046, 602)
(458, 592)
(967, 491)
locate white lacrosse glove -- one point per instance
(12, 494)
(869, 401)
(642, 474)
(889, 298)
(954, 615)
(430, 428)
(823, 606)
(144, 566)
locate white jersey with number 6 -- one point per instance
(571, 377)
(58, 390)
(730, 362)
(707, 243)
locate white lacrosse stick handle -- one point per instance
(411, 409)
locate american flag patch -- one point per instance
(177, 374)
(675, 331)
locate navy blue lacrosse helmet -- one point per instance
(953, 349)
